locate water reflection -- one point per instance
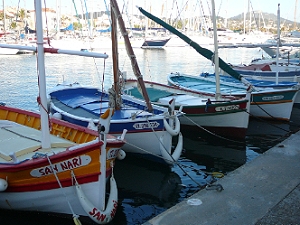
(145, 189)
(263, 134)
(221, 155)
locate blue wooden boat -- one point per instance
(267, 103)
(259, 83)
(269, 71)
(271, 104)
(155, 42)
(149, 128)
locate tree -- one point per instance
(13, 25)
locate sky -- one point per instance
(224, 8)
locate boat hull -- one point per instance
(45, 180)
(267, 103)
(138, 130)
(155, 43)
(140, 124)
(8, 51)
(52, 200)
(283, 73)
(218, 118)
(232, 125)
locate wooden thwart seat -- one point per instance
(21, 140)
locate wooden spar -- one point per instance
(115, 56)
(216, 54)
(56, 51)
(130, 53)
(46, 142)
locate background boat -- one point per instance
(142, 121)
(269, 72)
(134, 208)
(227, 117)
(266, 103)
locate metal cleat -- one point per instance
(217, 187)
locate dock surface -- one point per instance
(263, 191)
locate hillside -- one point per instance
(270, 19)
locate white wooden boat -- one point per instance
(49, 165)
(271, 104)
(269, 71)
(225, 117)
(157, 125)
(64, 178)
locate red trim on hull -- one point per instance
(35, 163)
(54, 184)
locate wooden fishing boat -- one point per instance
(49, 165)
(269, 71)
(84, 105)
(225, 117)
(35, 178)
(268, 103)
(259, 84)
(271, 104)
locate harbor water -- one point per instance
(145, 188)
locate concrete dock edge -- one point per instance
(252, 193)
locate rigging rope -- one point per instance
(75, 216)
(46, 19)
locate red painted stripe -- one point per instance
(35, 163)
(51, 50)
(54, 184)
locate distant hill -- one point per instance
(270, 19)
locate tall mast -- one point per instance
(115, 53)
(278, 41)
(4, 15)
(216, 55)
(41, 76)
(130, 53)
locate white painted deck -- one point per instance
(23, 142)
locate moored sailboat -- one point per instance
(157, 125)
(225, 117)
(271, 104)
(49, 165)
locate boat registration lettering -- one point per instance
(273, 98)
(227, 108)
(112, 153)
(140, 126)
(63, 166)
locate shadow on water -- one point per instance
(263, 135)
(146, 189)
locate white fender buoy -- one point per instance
(176, 129)
(98, 216)
(3, 184)
(57, 115)
(104, 119)
(177, 152)
(91, 125)
(121, 154)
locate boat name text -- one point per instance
(63, 166)
(140, 126)
(98, 215)
(227, 108)
(273, 98)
